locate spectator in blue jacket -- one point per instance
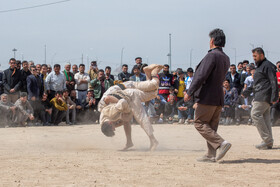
(138, 76)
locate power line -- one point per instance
(30, 7)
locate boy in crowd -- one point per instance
(71, 108)
(59, 108)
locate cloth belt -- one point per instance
(121, 86)
(116, 96)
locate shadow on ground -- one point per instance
(252, 160)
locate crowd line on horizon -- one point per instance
(44, 95)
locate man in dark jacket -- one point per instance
(24, 73)
(35, 85)
(1, 83)
(266, 93)
(234, 78)
(207, 87)
(12, 81)
(124, 75)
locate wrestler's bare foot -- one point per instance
(156, 70)
(148, 70)
(127, 146)
(154, 144)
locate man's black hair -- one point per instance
(138, 58)
(246, 61)
(108, 67)
(56, 65)
(227, 80)
(107, 129)
(23, 94)
(278, 62)
(18, 62)
(12, 59)
(82, 65)
(166, 65)
(258, 50)
(43, 65)
(219, 37)
(136, 67)
(190, 70)
(100, 70)
(240, 63)
(232, 65)
(125, 65)
(58, 93)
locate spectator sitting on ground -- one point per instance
(275, 112)
(8, 111)
(185, 110)
(171, 92)
(46, 119)
(243, 107)
(71, 109)
(59, 108)
(25, 110)
(159, 111)
(170, 109)
(91, 114)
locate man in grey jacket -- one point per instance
(266, 93)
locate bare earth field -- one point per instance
(83, 156)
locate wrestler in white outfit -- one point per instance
(126, 103)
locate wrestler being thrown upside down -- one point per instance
(122, 102)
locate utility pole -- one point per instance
(14, 50)
(169, 54)
(191, 57)
(82, 58)
(122, 56)
(45, 54)
(234, 55)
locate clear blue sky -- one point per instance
(100, 29)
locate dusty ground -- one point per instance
(82, 156)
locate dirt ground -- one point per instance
(83, 156)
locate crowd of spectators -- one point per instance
(44, 95)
